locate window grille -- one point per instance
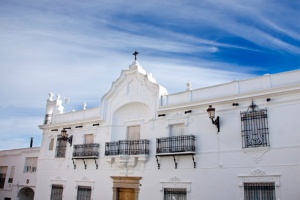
(61, 146)
(259, 191)
(84, 193)
(2, 180)
(56, 192)
(3, 171)
(254, 125)
(175, 194)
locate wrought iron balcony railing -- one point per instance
(175, 144)
(127, 147)
(86, 150)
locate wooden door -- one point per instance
(126, 194)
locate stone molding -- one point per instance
(58, 181)
(256, 153)
(259, 176)
(176, 182)
(126, 182)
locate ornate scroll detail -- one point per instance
(175, 179)
(256, 153)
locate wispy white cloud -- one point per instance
(78, 48)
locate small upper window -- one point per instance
(30, 165)
(254, 126)
(133, 132)
(177, 129)
(89, 138)
(51, 144)
(11, 175)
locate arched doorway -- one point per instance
(26, 194)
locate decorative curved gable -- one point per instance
(133, 85)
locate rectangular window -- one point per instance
(3, 171)
(84, 193)
(176, 130)
(175, 194)
(89, 138)
(51, 144)
(11, 175)
(61, 146)
(56, 192)
(6, 198)
(30, 165)
(255, 132)
(259, 191)
(133, 132)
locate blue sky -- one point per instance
(78, 48)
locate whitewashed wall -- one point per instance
(222, 164)
(21, 180)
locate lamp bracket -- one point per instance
(216, 122)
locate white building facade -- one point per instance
(18, 169)
(143, 143)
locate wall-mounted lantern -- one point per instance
(64, 136)
(211, 115)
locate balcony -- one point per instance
(127, 154)
(86, 151)
(127, 147)
(176, 146)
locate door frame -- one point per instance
(126, 182)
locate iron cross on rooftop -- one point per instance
(135, 54)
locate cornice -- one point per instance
(72, 123)
(289, 89)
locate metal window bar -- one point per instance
(127, 147)
(2, 180)
(182, 143)
(175, 194)
(56, 192)
(254, 125)
(61, 147)
(84, 193)
(86, 150)
(259, 191)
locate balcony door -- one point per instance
(133, 132)
(88, 149)
(133, 137)
(176, 130)
(176, 143)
